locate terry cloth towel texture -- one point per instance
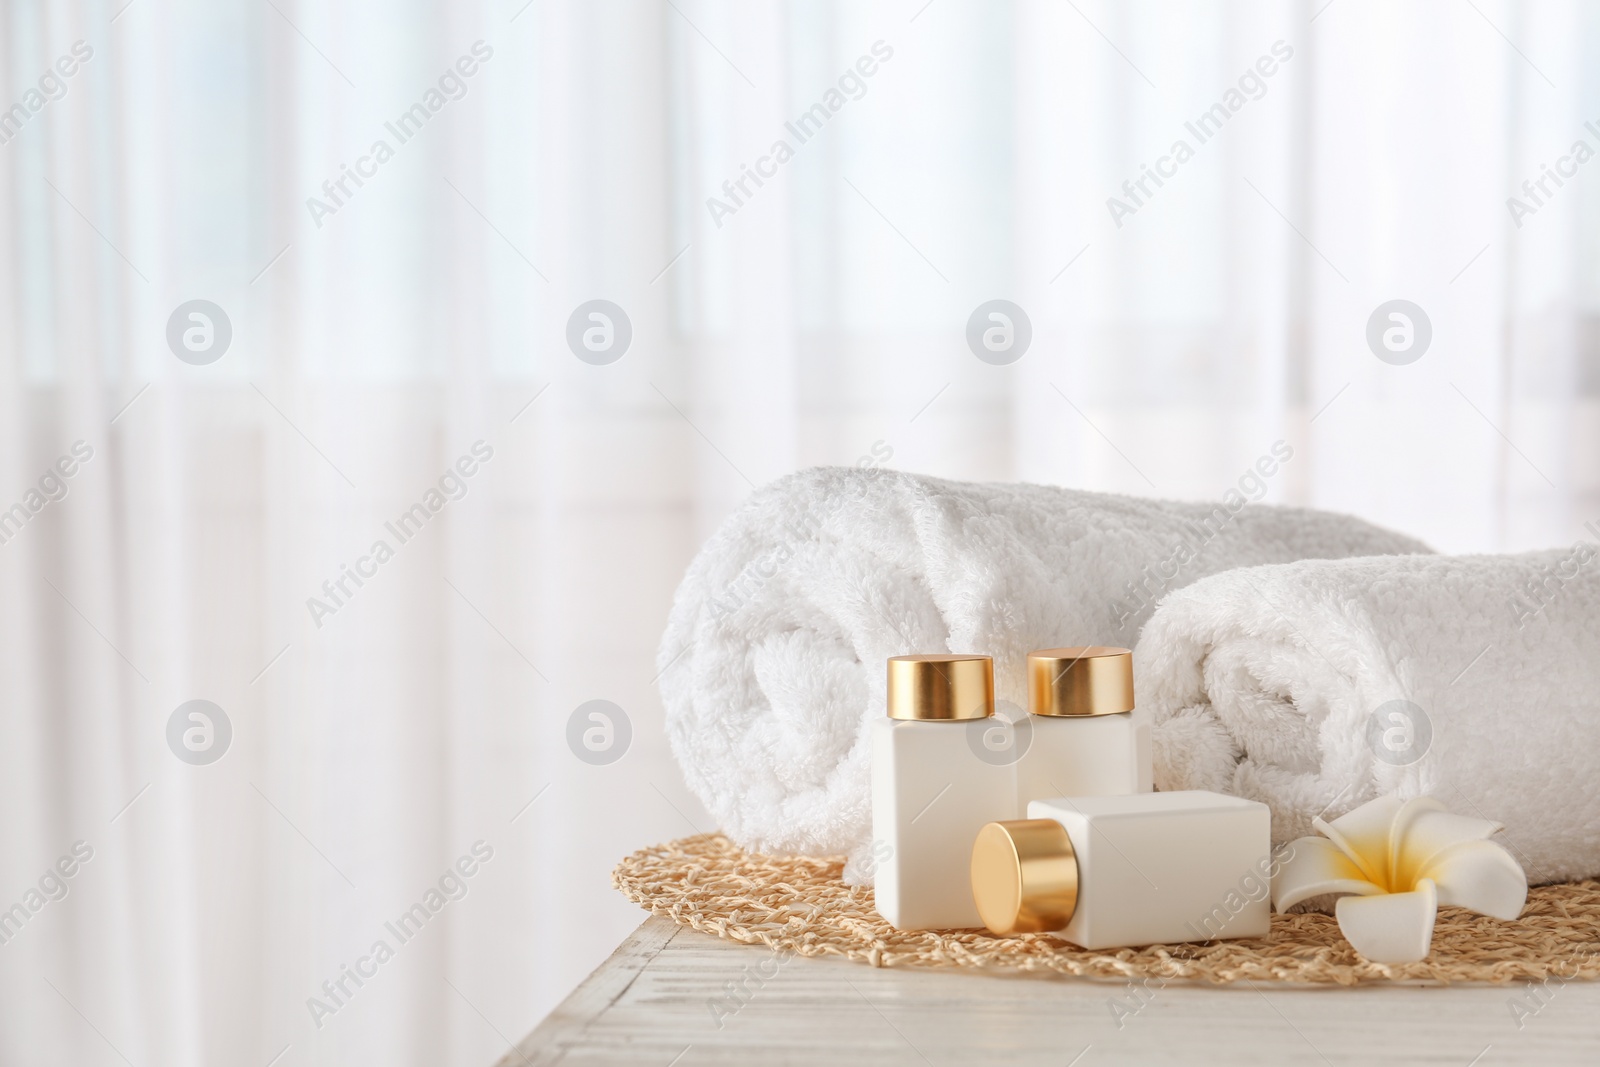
(772, 663)
(1315, 686)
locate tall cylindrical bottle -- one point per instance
(1087, 739)
(931, 791)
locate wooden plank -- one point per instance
(608, 982)
(694, 999)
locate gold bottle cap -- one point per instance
(1024, 876)
(941, 687)
(1094, 680)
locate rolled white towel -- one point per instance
(1316, 686)
(772, 664)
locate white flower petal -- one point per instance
(1398, 861)
(1314, 867)
(1482, 876)
(1426, 834)
(1392, 927)
(1363, 835)
(1399, 831)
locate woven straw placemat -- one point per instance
(801, 905)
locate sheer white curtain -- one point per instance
(377, 338)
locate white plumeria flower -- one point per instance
(1394, 862)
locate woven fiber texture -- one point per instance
(800, 904)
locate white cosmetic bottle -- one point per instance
(1141, 869)
(931, 791)
(1086, 738)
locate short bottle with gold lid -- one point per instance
(1119, 871)
(1086, 738)
(931, 790)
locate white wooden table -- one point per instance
(663, 998)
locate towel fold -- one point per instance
(1316, 686)
(772, 664)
